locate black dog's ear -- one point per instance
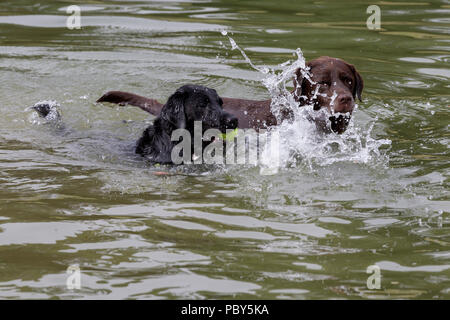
(298, 80)
(359, 83)
(173, 110)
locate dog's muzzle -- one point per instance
(228, 122)
(339, 123)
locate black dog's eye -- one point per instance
(203, 103)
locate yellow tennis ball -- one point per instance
(230, 135)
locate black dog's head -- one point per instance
(192, 103)
(188, 104)
(334, 85)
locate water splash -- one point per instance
(46, 111)
(234, 46)
(300, 141)
(304, 144)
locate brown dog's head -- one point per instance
(334, 85)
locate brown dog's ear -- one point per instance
(173, 110)
(299, 86)
(359, 83)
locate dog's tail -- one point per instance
(125, 98)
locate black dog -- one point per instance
(188, 104)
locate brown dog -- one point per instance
(333, 85)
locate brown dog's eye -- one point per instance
(325, 83)
(348, 81)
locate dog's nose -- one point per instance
(345, 98)
(230, 122)
(344, 103)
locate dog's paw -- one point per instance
(49, 110)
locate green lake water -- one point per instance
(81, 197)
